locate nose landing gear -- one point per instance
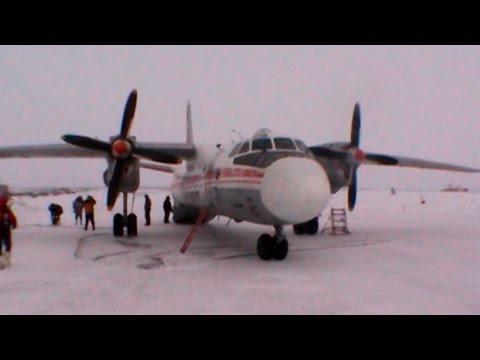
(273, 247)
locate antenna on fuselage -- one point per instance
(238, 134)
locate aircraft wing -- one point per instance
(385, 160)
(48, 151)
(392, 160)
(158, 151)
(157, 167)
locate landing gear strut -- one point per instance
(273, 247)
(126, 220)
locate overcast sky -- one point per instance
(418, 101)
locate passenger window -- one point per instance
(245, 148)
(284, 144)
(235, 149)
(262, 144)
(301, 145)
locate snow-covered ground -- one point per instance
(401, 258)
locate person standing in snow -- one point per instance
(148, 207)
(7, 221)
(78, 210)
(55, 212)
(167, 208)
(89, 205)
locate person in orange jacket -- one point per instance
(7, 221)
(88, 206)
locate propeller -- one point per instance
(120, 147)
(350, 155)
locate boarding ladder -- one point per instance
(337, 222)
(193, 230)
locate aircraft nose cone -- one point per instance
(295, 189)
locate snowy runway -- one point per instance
(401, 258)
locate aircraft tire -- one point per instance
(265, 247)
(118, 225)
(280, 251)
(132, 229)
(298, 229)
(311, 227)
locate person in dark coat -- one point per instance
(148, 207)
(78, 210)
(167, 208)
(55, 212)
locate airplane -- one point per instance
(268, 179)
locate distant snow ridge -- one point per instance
(452, 187)
(36, 192)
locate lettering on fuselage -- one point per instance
(220, 175)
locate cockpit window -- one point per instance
(245, 148)
(301, 145)
(235, 149)
(262, 144)
(284, 144)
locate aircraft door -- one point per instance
(212, 174)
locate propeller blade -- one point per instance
(156, 155)
(129, 113)
(328, 153)
(352, 190)
(356, 124)
(114, 184)
(86, 142)
(381, 159)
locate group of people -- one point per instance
(87, 205)
(79, 206)
(8, 219)
(167, 209)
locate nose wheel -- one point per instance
(273, 247)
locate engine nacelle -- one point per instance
(130, 180)
(338, 172)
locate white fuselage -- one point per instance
(274, 186)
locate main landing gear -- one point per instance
(273, 247)
(120, 222)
